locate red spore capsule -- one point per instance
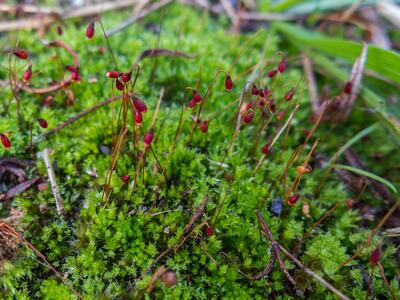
(139, 105)
(192, 103)
(210, 231)
(42, 123)
(27, 74)
(263, 92)
(280, 115)
(90, 30)
(248, 116)
(376, 255)
(254, 90)
(196, 96)
(204, 126)
(348, 87)
(75, 76)
(228, 83)
(119, 85)
(21, 53)
(272, 73)
(125, 178)
(289, 95)
(72, 69)
(112, 74)
(59, 30)
(138, 118)
(265, 149)
(148, 138)
(293, 199)
(5, 141)
(282, 65)
(125, 77)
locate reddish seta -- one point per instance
(376, 255)
(348, 87)
(228, 83)
(282, 65)
(119, 85)
(204, 126)
(42, 123)
(112, 74)
(272, 73)
(5, 141)
(293, 199)
(138, 118)
(148, 138)
(139, 105)
(125, 178)
(27, 74)
(289, 95)
(21, 53)
(90, 30)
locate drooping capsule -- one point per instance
(119, 85)
(192, 103)
(112, 74)
(196, 96)
(148, 138)
(90, 30)
(375, 256)
(265, 148)
(21, 53)
(254, 90)
(140, 105)
(126, 77)
(42, 123)
(272, 73)
(303, 169)
(282, 65)
(204, 126)
(228, 83)
(125, 178)
(248, 116)
(348, 87)
(5, 141)
(138, 118)
(27, 74)
(289, 95)
(293, 199)
(210, 231)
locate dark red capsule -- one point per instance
(280, 115)
(348, 87)
(125, 178)
(204, 126)
(282, 65)
(72, 69)
(75, 76)
(126, 77)
(27, 74)
(289, 95)
(59, 30)
(248, 116)
(293, 199)
(272, 73)
(138, 117)
(263, 92)
(5, 141)
(112, 74)
(210, 231)
(21, 53)
(119, 85)
(376, 255)
(139, 105)
(148, 138)
(228, 83)
(196, 96)
(272, 107)
(265, 149)
(90, 30)
(254, 90)
(42, 123)
(192, 103)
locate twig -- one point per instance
(52, 179)
(306, 270)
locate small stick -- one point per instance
(306, 270)
(52, 179)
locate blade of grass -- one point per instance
(367, 174)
